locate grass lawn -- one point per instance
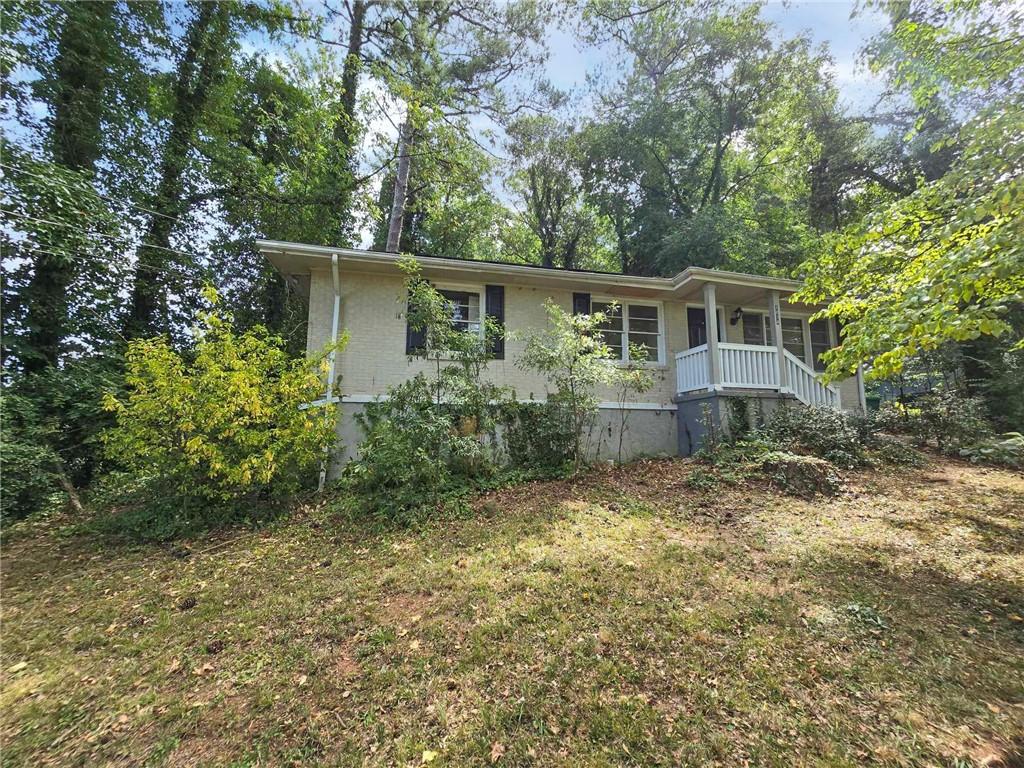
(623, 619)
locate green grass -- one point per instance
(622, 619)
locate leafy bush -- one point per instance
(227, 421)
(429, 438)
(415, 453)
(822, 432)
(804, 476)
(949, 421)
(28, 465)
(890, 450)
(538, 436)
(1006, 449)
(575, 358)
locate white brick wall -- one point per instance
(372, 309)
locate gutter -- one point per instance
(332, 362)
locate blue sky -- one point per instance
(832, 23)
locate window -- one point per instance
(755, 328)
(643, 328)
(793, 336)
(640, 324)
(697, 325)
(465, 307)
(820, 342)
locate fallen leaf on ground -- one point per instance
(497, 750)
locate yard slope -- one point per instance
(622, 619)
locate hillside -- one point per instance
(624, 619)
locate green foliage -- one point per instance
(229, 420)
(948, 420)
(895, 452)
(823, 432)
(573, 356)
(1006, 449)
(429, 437)
(945, 262)
(692, 156)
(28, 464)
(416, 453)
(538, 436)
(801, 475)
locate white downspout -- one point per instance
(331, 358)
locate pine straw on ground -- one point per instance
(622, 619)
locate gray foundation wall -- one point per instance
(702, 412)
(647, 432)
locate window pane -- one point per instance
(793, 336)
(639, 311)
(753, 329)
(648, 341)
(820, 342)
(613, 320)
(465, 309)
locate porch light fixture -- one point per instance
(735, 317)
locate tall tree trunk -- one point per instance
(346, 130)
(81, 65)
(401, 187)
(201, 66)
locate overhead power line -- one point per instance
(116, 238)
(21, 169)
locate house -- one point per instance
(712, 336)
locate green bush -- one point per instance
(1006, 449)
(949, 421)
(416, 452)
(229, 420)
(822, 432)
(538, 436)
(891, 450)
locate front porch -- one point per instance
(776, 353)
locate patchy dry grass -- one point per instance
(620, 620)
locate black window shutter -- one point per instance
(415, 340)
(581, 303)
(494, 301)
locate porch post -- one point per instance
(775, 317)
(711, 324)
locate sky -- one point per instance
(829, 22)
(836, 24)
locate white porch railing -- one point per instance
(805, 384)
(746, 366)
(692, 369)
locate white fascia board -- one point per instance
(674, 285)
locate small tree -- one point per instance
(634, 378)
(573, 355)
(225, 421)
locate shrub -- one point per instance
(949, 421)
(573, 355)
(890, 450)
(429, 438)
(804, 476)
(229, 420)
(1006, 449)
(538, 436)
(28, 466)
(822, 432)
(414, 453)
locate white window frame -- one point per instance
(624, 305)
(476, 288)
